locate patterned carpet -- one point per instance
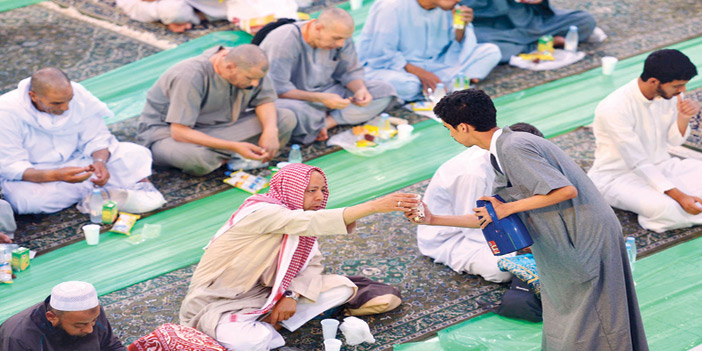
(384, 248)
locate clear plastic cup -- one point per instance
(329, 327)
(404, 131)
(332, 345)
(608, 65)
(356, 4)
(92, 234)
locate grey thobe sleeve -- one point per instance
(349, 67)
(283, 48)
(527, 168)
(266, 93)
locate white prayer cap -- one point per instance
(73, 296)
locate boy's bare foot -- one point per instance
(179, 27)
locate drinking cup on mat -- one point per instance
(332, 345)
(92, 234)
(329, 327)
(608, 64)
(356, 4)
(150, 231)
(404, 131)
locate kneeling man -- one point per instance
(54, 139)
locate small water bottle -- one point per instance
(96, 206)
(384, 128)
(295, 155)
(440, 92)
(631, 250)
(571, 39)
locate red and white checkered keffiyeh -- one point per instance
(287, 188)
(174, 337)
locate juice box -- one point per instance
(545, 44)
(20, 259)
(109, 212)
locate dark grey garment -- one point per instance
(515, 27)
(7, 219)
(193, 94)
(297, 65)
(587, 288)
(29, 330)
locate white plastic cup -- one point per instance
(332, 345)
(404, 131)
(92, 234)
(151, 231)
(329, 327)
(356, 4)
(608, 64)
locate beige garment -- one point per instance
(238, 269)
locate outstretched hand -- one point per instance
(413, 216)
(401, 202)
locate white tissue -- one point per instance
(356, 331)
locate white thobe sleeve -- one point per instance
(674, 136)
(628, 143)
(14, 159)
(95, 136)
(454, 198)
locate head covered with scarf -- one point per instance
(288, 186)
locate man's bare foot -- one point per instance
(475, 80)
(179, 27)
(4, 239)
(323, 135)
(330, 122)
(558, 42)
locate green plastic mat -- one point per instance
(669, 288)
(6, 5)
(115, 264)
(124, 89)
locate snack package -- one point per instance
(247, 182)
(422, 106)
(109, 212)
(5, 273)
(124, 223)
(20, 259)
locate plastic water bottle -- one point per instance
(96, 206)
(571, 39)
(631, 250)
(440, 92)
(384, 128)
(295, 155)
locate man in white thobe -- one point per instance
(7, 222)
(454, 190)
(413, 45)
(55, 147)
(633, 128)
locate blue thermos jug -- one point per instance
(505, 235)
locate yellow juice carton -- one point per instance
(20, 259)
(109, 212)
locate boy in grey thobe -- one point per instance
(295, 64)
(588, 296)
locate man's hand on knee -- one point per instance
(283, 310)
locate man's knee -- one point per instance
(244, 336)
(30, 198)
(191, 159)
(286, 121)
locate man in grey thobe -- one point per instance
(587, 288)
(318, 76)
(198, 114)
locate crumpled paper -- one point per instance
(356, 331)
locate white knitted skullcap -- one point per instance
(73, 296)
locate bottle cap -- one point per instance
(295, 147)
(573, 28)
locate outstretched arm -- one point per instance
(504, 209)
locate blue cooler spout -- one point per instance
(505, 235)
